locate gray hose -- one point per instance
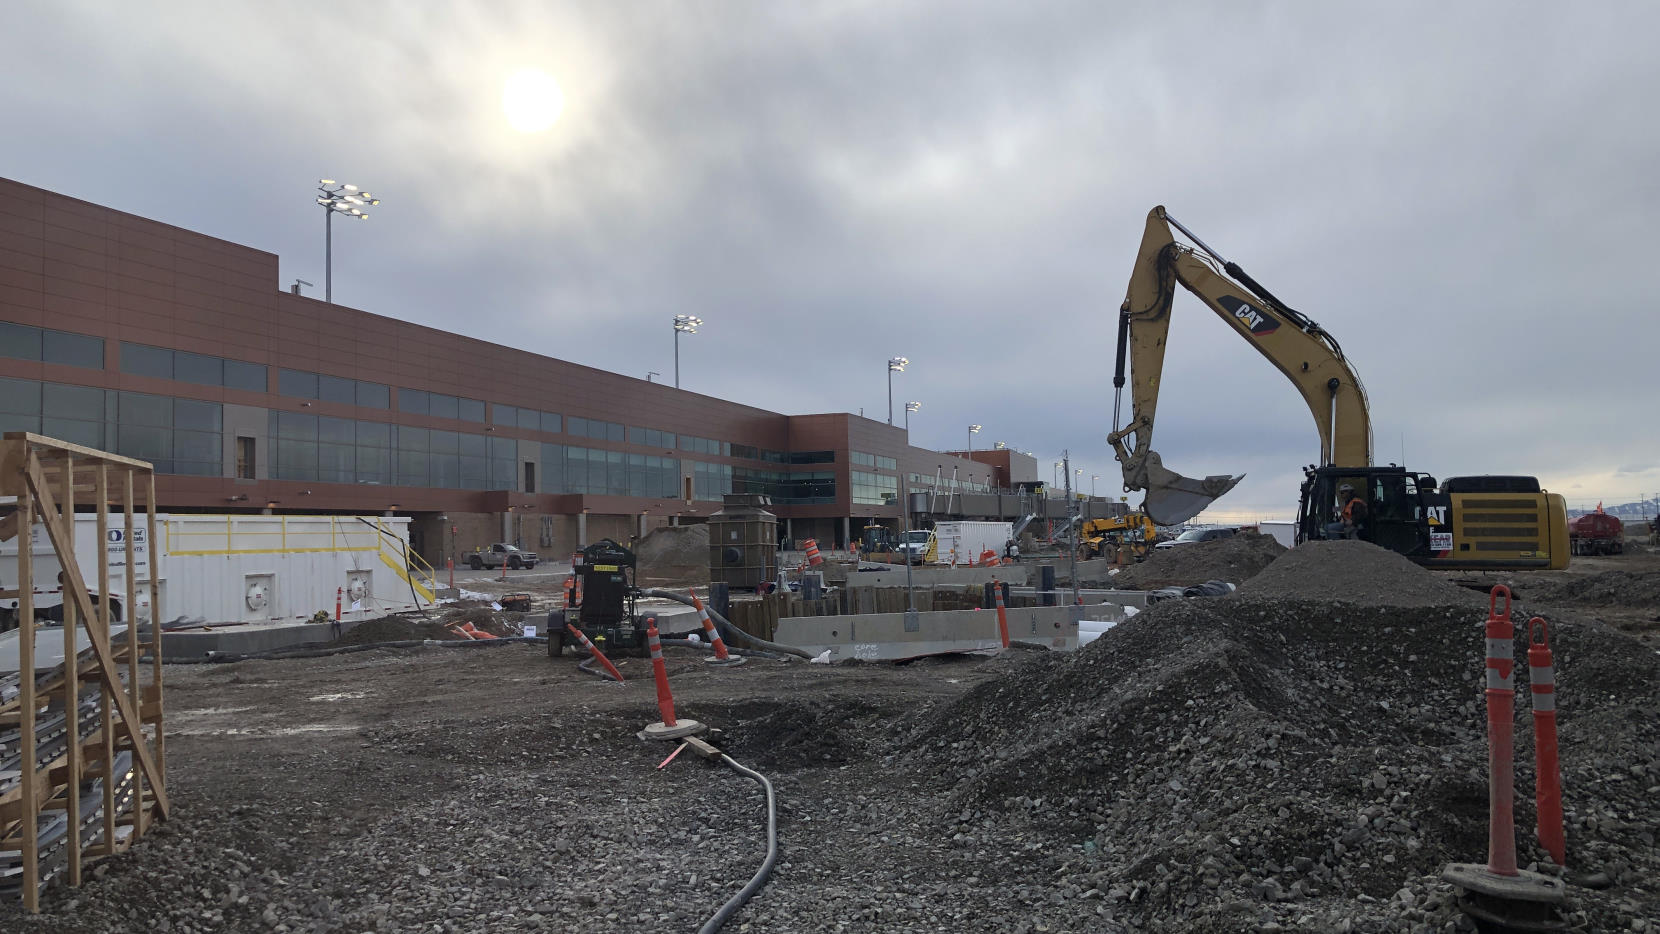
(731, 649)
(584, 666)
(760, 878)
(281, 654)
(728, 631)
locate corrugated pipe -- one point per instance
(728, 631)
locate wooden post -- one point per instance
(132, 638)
(107, 733)
(155, 629)
(71, 679)
(30, 844)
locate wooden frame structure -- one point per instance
(46, 476)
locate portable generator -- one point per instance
(606, 614)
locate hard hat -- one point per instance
(1345, 488)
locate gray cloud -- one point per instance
(1461, 193)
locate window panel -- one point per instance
(139, 408)
(374, 434)
(412, 468)
(444, 470)
(336, 463)
(553, 468)
(374, 395)
(472, 410)
(16, 421)
(473, 445)
(504, 414)
(443, 442)
(198, 368)
(197, 446)
(413, 439)
(531, 419)
(636, 435)
(144, 360)
(374, 465)
(64, 401)
(337, 389)
(475, 472)
(295, 460)
(20, 397)
(72, 349)
(73, 430)
(19, 341)
(336, 430)
(249, 376)
(296, 426)
(144, 442)
(297, 383)
(442, 406)
(200, 416)
(413, 401)
(576, 426)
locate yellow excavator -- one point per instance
(1464, 523)
(1104, 537)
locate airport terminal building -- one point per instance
(130, 335)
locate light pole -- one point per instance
(687, 324)
(909, 408)
(1092, 478)
(1056, 474)
(972, 431)
(998, 445)
(338, 199)
(895, 365)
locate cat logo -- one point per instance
(1437, 514)
(1256, 320)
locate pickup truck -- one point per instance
(501, 554)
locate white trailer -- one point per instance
(1283, 532)
(246, 568)
(971, 539)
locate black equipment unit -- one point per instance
(606, 615)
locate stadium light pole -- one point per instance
(683, 324)
(338, 198)
(895, 365)
(972, 431)
(909, 408)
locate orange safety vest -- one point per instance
(1349, 509)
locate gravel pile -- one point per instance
(1242, 766)
(1234, 560)
(1638, 589)
(393, 629)
(1354, 572)
(674, 553)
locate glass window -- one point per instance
(337, 389)
(56, 400)
(413, 439)
(473, 445)
(336, 430)
(636, 435)
(145, 442)
(374, 434)
(139, 408)
(551, 422)
(199, 416)
(73, 430)
(444, 470)
(475, 472)
(249, 376)
(19, 341)
(202, 446)
(72, 349)
(504, 414)
(20, 397)
(413, 401)
(442, 406)
(886, 463)
(374, 395)
(472, 410)
(553, 468)
(576, 426)
(531, 419)
(295, 460)
(412, 468)
(297, 383)
(296, 426)
(614, 432)
(144, 360)
(443, 442)
(336, 463)
(374, 465)
(198, 368)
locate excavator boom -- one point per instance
(1293, 343)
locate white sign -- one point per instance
(1440, 541)
(530, 632)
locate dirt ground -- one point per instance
(1235, 764)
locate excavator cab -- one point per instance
(1397, 517)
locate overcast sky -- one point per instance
(1464, 194)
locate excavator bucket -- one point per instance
(1173, 499)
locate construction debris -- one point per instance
(1234, 560)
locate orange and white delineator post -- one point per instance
(582, 638)
(1547, 791)
(722, 656)
(669, 727)
(1002, 614)
(1501, 709)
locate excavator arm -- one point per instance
(1293, 343)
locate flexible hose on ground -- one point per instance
(760, 878)
(583, 666)
(730, 650)
(728, 631)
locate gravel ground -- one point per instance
(1354, 572)
(1220, 765)
(1234, 560)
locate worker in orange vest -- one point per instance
(1354, 512)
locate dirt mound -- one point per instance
(1229, 763)
(1638, 589)
(484, 619)
(1234, 560)
(1354, 572)
(791, 735)
(394, 629)
(674, 553)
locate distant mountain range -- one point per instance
(1623, 510)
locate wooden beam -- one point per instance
(77, 450)
(75, 588)
(17, 461)
(105, 748)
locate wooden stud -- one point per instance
(106, 749)
(29, 844)
(132, 633)
(71, 679)
(155, 636)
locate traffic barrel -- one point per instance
(813, 557)
(988, 558)
(1002, 614)
(582, 638)
(1547, 792)
(722, 657)
(1501, 708)
(665, 700)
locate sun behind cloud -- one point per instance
(531, 99)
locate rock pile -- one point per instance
(1234, 560)
(1245, 765)
(394, 629)
(673, 554)
(1354, 572)
(1635, 589)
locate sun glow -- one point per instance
(532, 101)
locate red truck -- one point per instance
(1596, 533)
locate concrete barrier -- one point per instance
(888, 636)
(930, 576)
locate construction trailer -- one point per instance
(82, 751)
(254, 569)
